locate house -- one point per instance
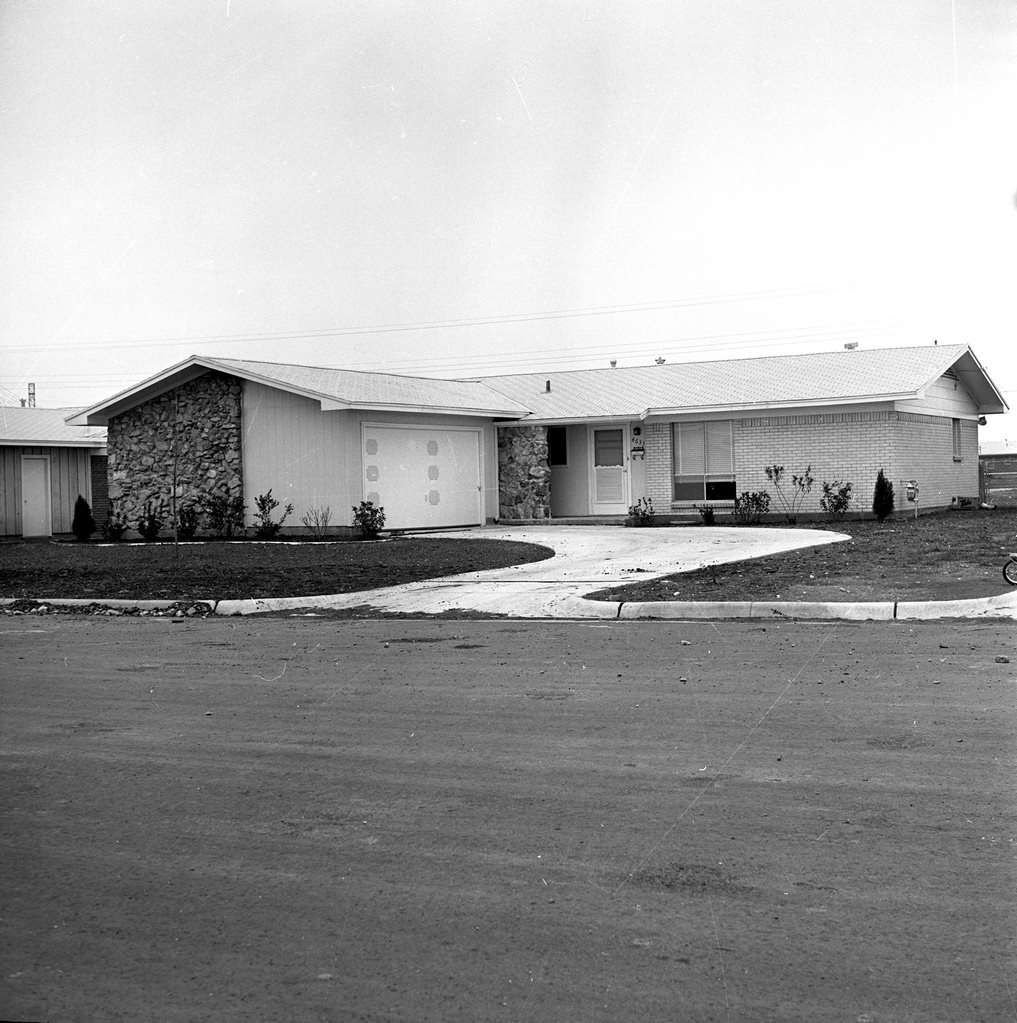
(702, 433)
(44, 465)
(997, 464)
(539, 446)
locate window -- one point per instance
(703, 461)
(557, 449)
(608, 447)
(957, 457)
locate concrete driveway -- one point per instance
(586, 558)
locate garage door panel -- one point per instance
(423, 477)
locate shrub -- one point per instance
(317, 519)
(187, 522)
(368, 520)
(83, 525)
(708, 514)
(641, 513)
(882, 497)
(224, 515)
(149, 523)
(265, 528)
(751, 506)
(836, 498)
(800, 486)
(115, 525)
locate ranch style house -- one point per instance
(552, 446)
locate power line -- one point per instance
(392, 328)
(574, 357)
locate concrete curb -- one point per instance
(1001, 606)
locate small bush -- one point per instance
(836, 498)
(882, 497)
(751, 506)
(83, 525)
(224, 515)
(800, 487)
(149, 523)
(707, 513)
(265, 528)
(368, 520)
(316, 520)
(115, 526)
(187, 522)
(641, 513)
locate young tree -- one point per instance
(882, 497)
(83, 525)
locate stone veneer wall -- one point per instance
(140, 445)
(524, 477)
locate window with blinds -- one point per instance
(703, 461)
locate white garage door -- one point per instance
(423, 477)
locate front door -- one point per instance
(609, 489)
(35, 516)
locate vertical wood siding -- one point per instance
(299, 452)
(69, 475)
(309, 457)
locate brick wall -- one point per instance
(845, 446)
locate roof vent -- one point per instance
(547, 386)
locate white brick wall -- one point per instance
(846, 446)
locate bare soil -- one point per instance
(262, 820)
(955, 555)
(240, 570)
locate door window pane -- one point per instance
(607, 447)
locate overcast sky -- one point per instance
(476, 187)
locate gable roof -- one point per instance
(47, 427)
(638, 392)
(746, 385)
(332, 388)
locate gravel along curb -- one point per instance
(15, 606)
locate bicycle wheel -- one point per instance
(1010, 571)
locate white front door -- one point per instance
(609, 479)
(35, 509)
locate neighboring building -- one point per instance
(553, 445)
(44, 465)
(997, 463)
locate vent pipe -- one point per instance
(547, 386)
(614, 362)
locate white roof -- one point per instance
(47, 427)
(332, 388)
(745, 385)
(640, 392)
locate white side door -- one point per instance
(36, 519)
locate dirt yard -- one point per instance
(283, 820)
